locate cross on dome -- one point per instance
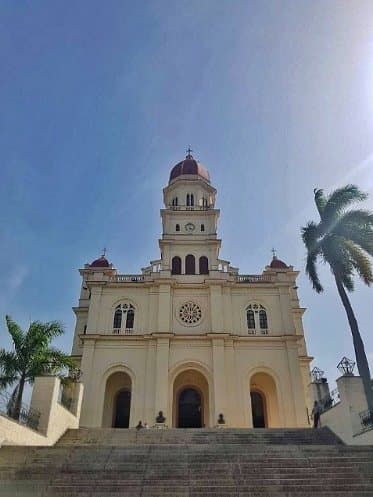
(189, 153)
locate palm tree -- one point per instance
(344, 240)
(32, 355)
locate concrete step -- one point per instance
(189, 463)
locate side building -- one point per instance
(190, 336)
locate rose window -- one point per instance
(190, 313)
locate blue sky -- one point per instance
(100, 99)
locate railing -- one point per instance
(253, 278)
(133, 278)
(330, 400)
(366, 418)
(253, 331)
(66, 401)
(189, 207)
(24, 414)
(124, 331)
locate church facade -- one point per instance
(190, 336)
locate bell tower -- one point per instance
(189, 243)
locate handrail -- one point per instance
(23, 415)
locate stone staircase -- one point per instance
(189, 463)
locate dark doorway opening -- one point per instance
(190, 409)
(122, 409)
(258, 410)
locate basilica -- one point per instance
(190, 336)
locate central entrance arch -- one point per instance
(258, 409)
(189, 409)
(122, 409)
(190, 405)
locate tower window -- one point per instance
(190, 264)
(176, 265)
(263, 321)
(203, 265)
(256, 316)
(124, 318)
(117, 318)
(202, 227)
(204, 202)
(174, 201)
(178, 227)
(250, 319)
(190, 199)
(130, 319)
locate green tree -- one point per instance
(343, 239)
(32, 356)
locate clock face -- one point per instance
(190, 227)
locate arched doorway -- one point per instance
(190, 400)
(264, 401)
(122, 409)
(117, 401)
(258, 410)
(189, 409)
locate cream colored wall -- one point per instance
(344, 417)
(227, 365)
(12, 433)
(54, 418)
(150, 303)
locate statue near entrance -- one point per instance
(160, 418)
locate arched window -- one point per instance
(256, 316)
(130, 319)
(263, 322)
(190, 264)
(178, 227)
(117, 317)
(205, 202)
(174, 201)
(203, 265)
(250, 319)
(202, 227)
(190, 199)
(176, 265)
(124, 319)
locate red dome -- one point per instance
(101, 262)
(189, 166)
(278, 264)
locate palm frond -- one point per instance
(15, 332)
(320, 200)
(360, 261)
(341, 198)
(312, 272)
(310, 236)
(8, 368)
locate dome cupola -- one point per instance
(189, 166)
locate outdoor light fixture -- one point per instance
(346, 366)
(317, 374)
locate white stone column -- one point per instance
(164, 308)
(296, 387)
(161, 377)
(216, 309)
(220, 391)
(91, 413)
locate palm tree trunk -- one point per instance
(18, 402)
(361, 358)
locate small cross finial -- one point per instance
(104, 252)
(189, 153)
(273, 252)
